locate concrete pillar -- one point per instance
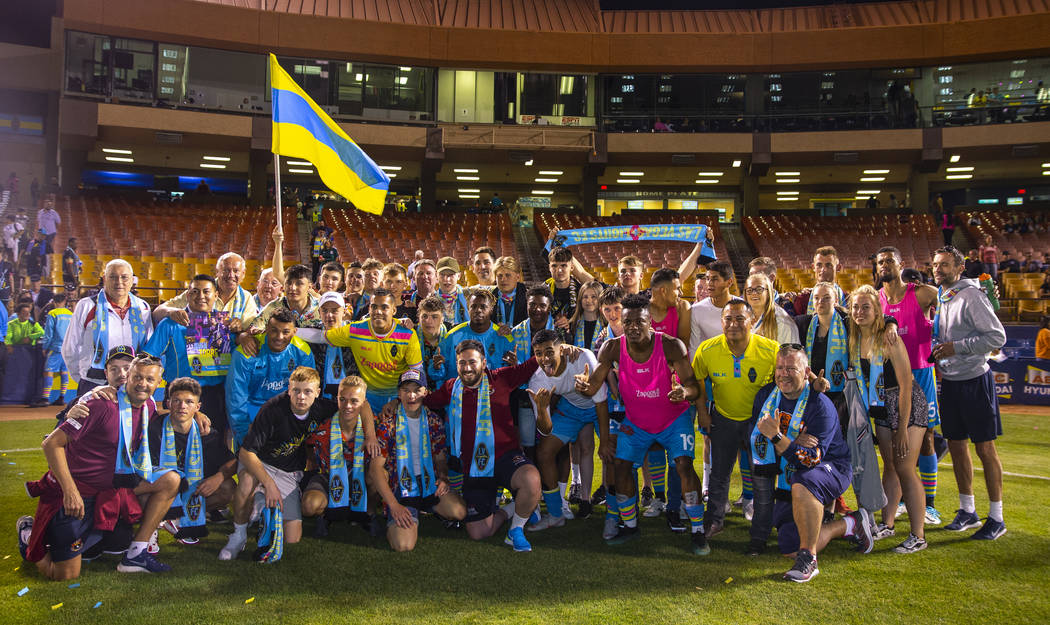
(919, 192)
(259, 176)
(589, 188)
(428, 184)
(749, 198)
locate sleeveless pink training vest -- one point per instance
(644, 388)
(669, 325)
(915, 328)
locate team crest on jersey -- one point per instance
(355, 493)
(393, 350)
(838, 376)
(481, 458)
(752, 375)
(77, 545)
(291, 366)
(193, 509)
(337, 488)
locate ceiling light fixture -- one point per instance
(788, 173)
(710, 173)
(627, 180)
(955, 158)
(115, 151)
(874, 179)
(469, 196)
(876, 171)
(632, 173)
(390, 167)
(468, 178)
(787, 192)
(959, 169)
(782, 180)
(959, 177)
(705, 181)
(217, 166)
(464, 171)
(787, 199)
(470, 190)
(736, 163)
(306, 163)
(528, 163)
(545, 180)
(542, 192)
(868, 192)
(551, 172)
(120, 159)
(297, 171)
(224, 159)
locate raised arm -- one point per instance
(278, 254)
(588, 382)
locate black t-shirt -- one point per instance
(216, 453)
(69, 265)
(589, 328)
(563, 300)
(277, 436)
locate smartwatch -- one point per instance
(776, 439)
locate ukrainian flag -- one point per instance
(302, 130)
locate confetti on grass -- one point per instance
(7, 556)
(77, 585)
(729, 580)
(99, 604)
(57, 606)
(249, 600)
(23, 591)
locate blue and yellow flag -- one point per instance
(302, 130)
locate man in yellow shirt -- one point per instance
(738, 363)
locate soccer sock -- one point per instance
(553, 500)
(745, 474)
(612, 505)
(707, 475)
(455, 481)
(967, 504)
(517, 521)
(49, 379)
(575, 477)
(561, 494)
(656, 461)
(240, 530)
(928, 475)
(137, 547)
(694, 507)
(65, 386)
(995, 511)
(508, 509)
(628, 509)
(851, 524)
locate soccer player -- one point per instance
(273, 457)
(208, 467)
(484, 445)
(448, 272)
(539, 307)
(563, 422)
(563, 287)
(705, 316)
(738, 363)
(229, 296)
(169, 343)
(483, 260)
(114, 317)
(966, 330)
(411, 471)
(252, 380)
(798, 445)
(100, 479)
(334, 363)
(657, 412)
(510, 292)
(55, 324)
(297, 300)
(910, 304)
(481, 329)
(612, 311)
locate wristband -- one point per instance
(776, 439)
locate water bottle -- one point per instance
(989, 288)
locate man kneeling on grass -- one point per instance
(100, 479)
(412, 474)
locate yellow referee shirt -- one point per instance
(735, 380)
(380, 359)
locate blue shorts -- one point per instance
(927, 381)
(569, 419)
(678, 439)
(826, 481)
(55, 363)
(377, 400)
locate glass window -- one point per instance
(133, 68)
(311, 75)
(87, 69)
(171, 72)
(398, 88)
(559, 95)
(221, 79)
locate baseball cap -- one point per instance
(332, 296)
(120, 351)
(447, 263)
(412, 375)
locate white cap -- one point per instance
(332, 296)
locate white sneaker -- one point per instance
(566, 511)
(234, 546)
(546, 522)
(739, 501)
(612, 527)
(655, 509)
(901, 509)
(153, 547)
(749, 509)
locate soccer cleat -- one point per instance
(566, 510)
(755, 547)
(546, 521)
(901, 509)
(574, 493)
(862, 527)
(674, 521)
(805, 567)
(172, 527)
(234, 546)
(584, 510)
(142, 563)
(883, 531)
(598, 498)
(535, 516)
(911, 544)
(646, 498)
(24, 529)
(991, 530)
(749, 509)
(714, 529)
(963, 521)
(153, 547)
(624, 535)
(516, 538)
(655, 509)
(699, 544)
(612, 526)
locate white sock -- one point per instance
(707, 475)
(240, 530)
(137, 547)
(575, 474)
(508, 509)
(995, 510)
(517, 521)
(851, 524)
(561, 492)
(966, 503)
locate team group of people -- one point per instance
(385, 394)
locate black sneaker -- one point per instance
(452, 525)
(699, 544)
(674, 521)
(58, 402)
(646, 499)
(991, 530)
(39, 403)
(24, 528)
(598, 498)
(805, 567)
(321, 528)
(624, 535)
(755, 547)
(574, 493)
(584, 509)
(963, 521)
(218, 516)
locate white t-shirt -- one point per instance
(565, 384)
(705, 320)
(413, 444)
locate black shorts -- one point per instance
(480, 493)
(970, 409)
(68, 537)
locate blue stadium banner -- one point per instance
(654, 232)
(1022, 381)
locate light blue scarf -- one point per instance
(522, 334)
(101, 327)
(271, 539)
(763, 452)
(240, 303)
(339, 496)
(482, 459)
(192, 503)
(134, 461)
(405, 472)
(581, 335)
(872, 390)
(837, 359)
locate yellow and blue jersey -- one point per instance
(735, 381)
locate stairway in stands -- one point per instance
(305, 228)
(739, 249)
(530, 255)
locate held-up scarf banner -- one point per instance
(101, 322)
(837, 360)
(192, 523)
(341, 493)
(763, 454)
(482, 458)
(405, 472)
(653, 232)
(208, 345)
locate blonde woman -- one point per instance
(771, 321)
(585, 326)
(889, 390)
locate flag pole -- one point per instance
(277, 189)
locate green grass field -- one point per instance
(570, 577)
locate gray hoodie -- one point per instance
(968, 321)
